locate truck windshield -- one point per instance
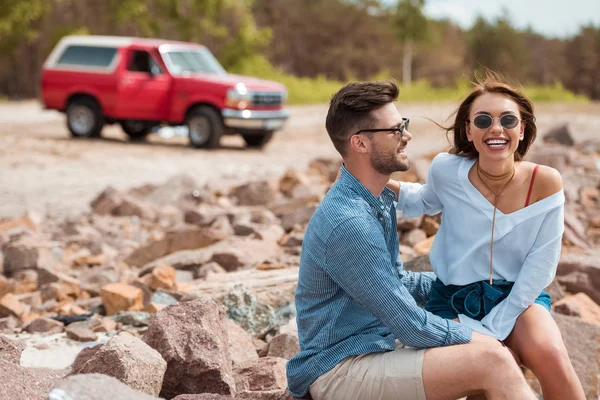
(190, 61)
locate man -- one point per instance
(354, 299)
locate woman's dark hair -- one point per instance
(490, 82)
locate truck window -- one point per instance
(142, 61)
(89, 56)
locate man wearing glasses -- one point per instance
(354, 299)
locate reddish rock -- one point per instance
(192, 338)
(283, 346)
(580, 273)
(162, 277)
(25, 281)
(581, 339)
(430, 225)
(10, 350)
(267, 373)
(555, 291)
(131, 206)
(408, 224)
(297, 217)
(131, 361)
(95, 387)
(254, 193)
(9, 305)
(106, 201)
(121, 297)
(241, 346)
(290, 180)
(184, 238)
(8, 324)
(424, 246)
(44, 325)
(413, 237)
(579, 305)
(81, 332)
(83, 357)
(27, 253)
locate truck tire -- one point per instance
(136, 130)
(84, 118)
(258, 140)
(205, 127)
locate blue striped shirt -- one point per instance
(353, 297)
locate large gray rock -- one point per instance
(192, 338)
(583, 344)
(95, 387)
(131, 361)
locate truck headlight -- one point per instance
(238, 97)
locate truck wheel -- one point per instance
(205, 127)
(84, 118)
(136, 130)
(258, 140)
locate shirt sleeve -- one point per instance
(416, 199)
(537, 272)
(418, 284)
(358, 261)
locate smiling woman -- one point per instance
(492, 275)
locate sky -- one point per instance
(552, 18)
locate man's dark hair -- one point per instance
(350, 109)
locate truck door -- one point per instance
(144, 88)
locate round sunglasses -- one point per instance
(484, 121)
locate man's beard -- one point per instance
(386, 162)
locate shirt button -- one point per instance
(383, 207)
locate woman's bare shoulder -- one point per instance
(547, 182)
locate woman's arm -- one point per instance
(416, 199)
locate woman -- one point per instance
(499, 241)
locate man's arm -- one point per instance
(418, 284)
(358, 260)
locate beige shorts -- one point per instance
(391, 375)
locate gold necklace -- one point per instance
(480, 172)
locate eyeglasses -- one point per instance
(400, 129)
(484, 121)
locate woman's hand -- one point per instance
(395, 186)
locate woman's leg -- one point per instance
(537, 341)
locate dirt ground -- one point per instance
(43, 169)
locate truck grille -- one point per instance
(269, 99)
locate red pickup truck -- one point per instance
(147, 83)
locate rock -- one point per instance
(300, 216)
(8, 324)
(560, 134)
(575, 231)
(580, 273)
(83, 357)
(254, 193)
(32, 300)
(44, 325)
(192, 338)
(241, 347)
(159, 301)
(121, 297)
(106, 201)
(132, 207)
(581, 339)
(430, 225)
(272, 288)
(235, 253)
(579, 305)
(290, 180)
(131, 361)
(328, 168)
(28, 253)
(137, 319)
(407, 253)
(424, 246)
(555, 291)
(30, 221)
(9, 305)
(10, 350)
(414, 237)
(241, 306)
(278, 394)
(206, 270)
(292, 239)
(80, 332)
(95, 387)
(203, 396)
(184, 238)
(309, 193)
(59, 291)
(553, 156)
(162, 277)
(408, 224)
(419, 264)
(176, 190)
(267, 373)
(283, 346)
(170, 215)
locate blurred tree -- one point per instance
(500, 47)
(412, 27)
(583, 56)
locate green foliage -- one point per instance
(411, 23)
(555, 92)
(18, 22)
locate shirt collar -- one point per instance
(379, 203)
